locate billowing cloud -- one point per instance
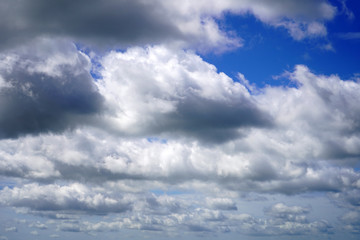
(154, 90)
(321, 114)
(45, 89)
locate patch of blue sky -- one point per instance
(270, 51)
(265, 52)
(94, 58)
(6, 183)
(156, 139)
(159, 192)
(357, 167)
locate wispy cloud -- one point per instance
(350, 35)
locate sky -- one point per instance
(183, 119)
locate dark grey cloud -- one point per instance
(210, 121)
(215, 121)
(135, 22)
(110, 23)
(122, 22)
(46, 87)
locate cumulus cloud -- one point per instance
(154, 90)
(147, 92)
(320, 114)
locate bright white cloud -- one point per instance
(156, 90)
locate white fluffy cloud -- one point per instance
(156, 90)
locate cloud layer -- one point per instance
(142, 22)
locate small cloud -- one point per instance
(349, 35)
(11, 229)
(38, 225)
(306, 56)
(346, 11)
(221, 204)
(328, 47)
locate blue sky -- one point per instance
(179, 119)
